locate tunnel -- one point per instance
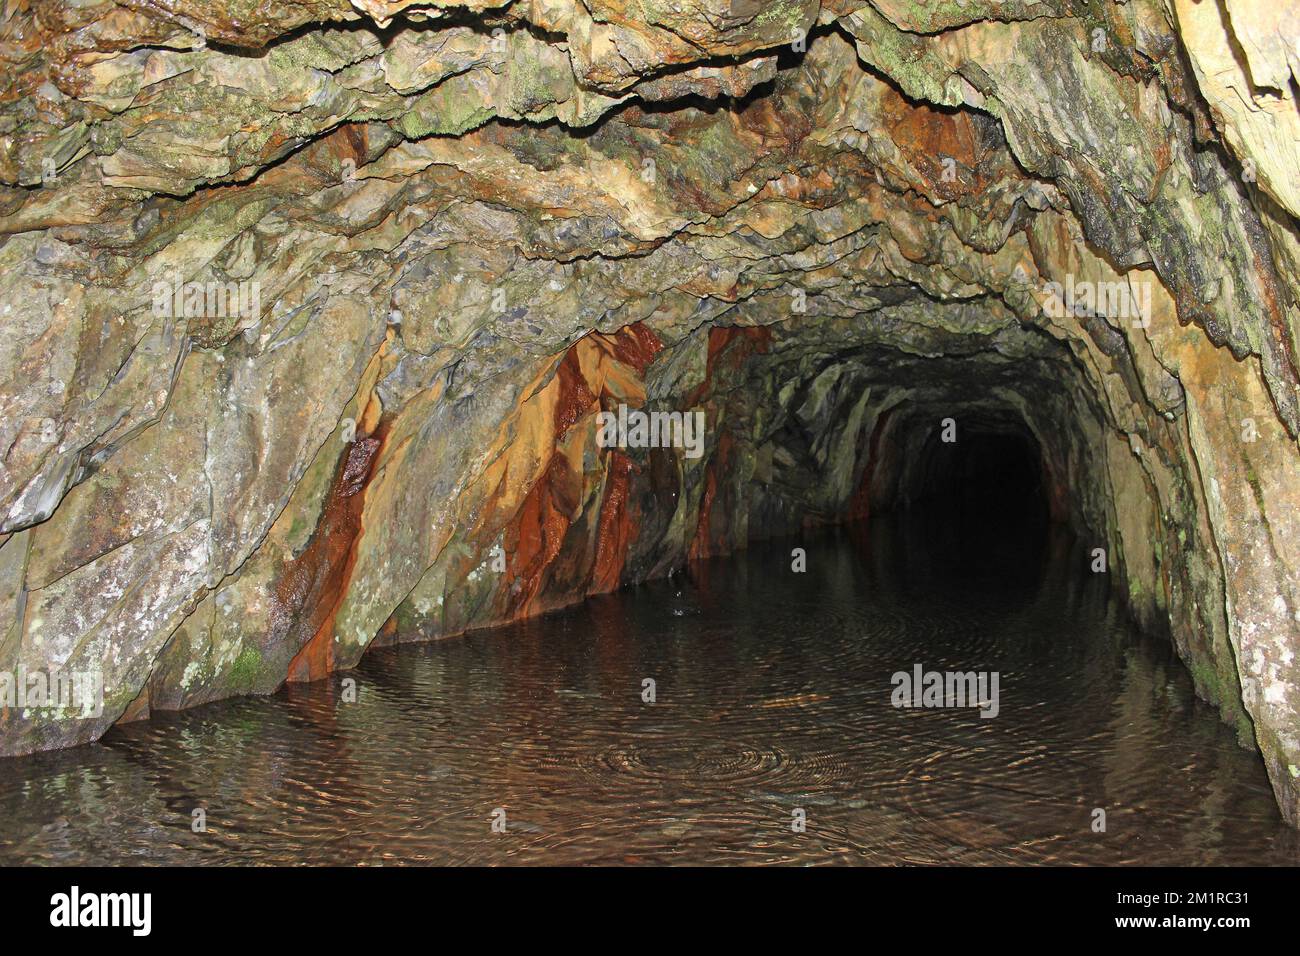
(540, 343)
(997, 470)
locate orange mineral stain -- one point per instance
(315, 583)
(616, 528)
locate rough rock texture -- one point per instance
(463, 229)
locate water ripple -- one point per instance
(772, 738)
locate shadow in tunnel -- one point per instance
(977, 506)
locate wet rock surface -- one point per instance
(313, 309)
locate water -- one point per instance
(772, 695)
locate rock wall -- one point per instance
(313, 309)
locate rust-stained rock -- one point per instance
(313, 308)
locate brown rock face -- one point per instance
(336, 322)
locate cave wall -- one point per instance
(468, 228)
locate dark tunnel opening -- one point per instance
(988, 474)
(970, 497)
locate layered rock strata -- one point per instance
(312, 309)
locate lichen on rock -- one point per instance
(417, 249)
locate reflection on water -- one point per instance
(772, 694)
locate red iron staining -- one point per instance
(729, 348)
(634, 346)
(535, 538)
(700, 543)
(637, 345)
(710, 541)
(597, 369)
(616, 528)
(747, 340)
(576, 400)
(925, 136)
(860, 504)
(315, 583)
